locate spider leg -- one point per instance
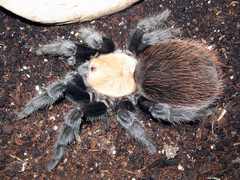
(96, 40)
(150, 31)
(52, 93)
(68, 132)
(78, 52)
(71, 128)
(177, 115)
(76, 90)
(174, 115)
(157, 36)
(58, 47)
(128, 119)
(71, 87)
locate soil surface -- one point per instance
(209, 149)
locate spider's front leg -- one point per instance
(71, 87)
(91, 43)
(127, 118)
(71, 127)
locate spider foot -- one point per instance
(154, 22)
(35, 104)
(59, 47)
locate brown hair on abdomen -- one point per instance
(179, 72)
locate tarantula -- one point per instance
(170, 79)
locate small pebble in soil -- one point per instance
(213, 146)
(37, 88)
(25, 67)
(24, 164)
(76, 34)
(52, 118)
(237, 160)
(65, 160)
(55, 128)
(210, 47)
(170, 151)
(113, 150)
(180, 167)
(121, 23)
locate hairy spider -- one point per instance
(170, 79)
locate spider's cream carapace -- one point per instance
(112, 74)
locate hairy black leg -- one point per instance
(84, 52)
(177, 115)
(52, 93)
(107, 46)
(74, 52)
(76, 90)
(127, 118)
(158, 21)
(68, 132)
(71, 128)
(71, 86)
(77, 53)
(166, 112)
(150, 31)
(161, 111)
(96, 40)
(92, 43)
(135, 44)
(158, 36)
(59, 47)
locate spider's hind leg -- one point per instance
(177, 115)
(127, 118)
(71, 128)
(173, 115)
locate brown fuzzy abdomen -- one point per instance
(178, 72)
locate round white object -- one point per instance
(64, 11)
